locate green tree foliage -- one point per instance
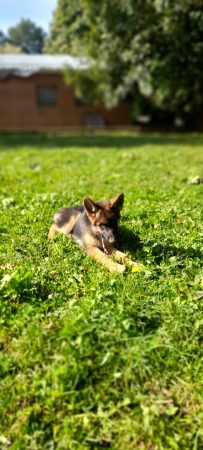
(69, 29)
(28, 36)
(148, 47)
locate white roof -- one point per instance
(24, 65)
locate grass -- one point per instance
(89, 359)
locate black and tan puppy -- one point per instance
(94, 227)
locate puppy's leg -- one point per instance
(122, 257)
(105, 260)
(53, 230)
(65, 229)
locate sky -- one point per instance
(39, 11)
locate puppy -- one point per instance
(94, 226)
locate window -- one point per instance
(47, 96)
(94, 121)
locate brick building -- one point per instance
(33, 96)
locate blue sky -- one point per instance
(39, 11)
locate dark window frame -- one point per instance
(94, 120)
(47, 96)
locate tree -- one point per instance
(150, 48)
(68, 30)
(28, 36)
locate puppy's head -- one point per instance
(104, 216)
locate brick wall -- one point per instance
(19, 108)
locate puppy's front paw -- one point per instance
(134, 264)
(119, 268)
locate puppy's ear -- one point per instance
(91, 207)
(117, 202)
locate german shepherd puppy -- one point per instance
(94, 227)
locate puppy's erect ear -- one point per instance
(117, 202)
(91, 207)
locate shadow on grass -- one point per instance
(48, 141)
(129, 241)
(161, 252)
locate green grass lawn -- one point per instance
(91, 359)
